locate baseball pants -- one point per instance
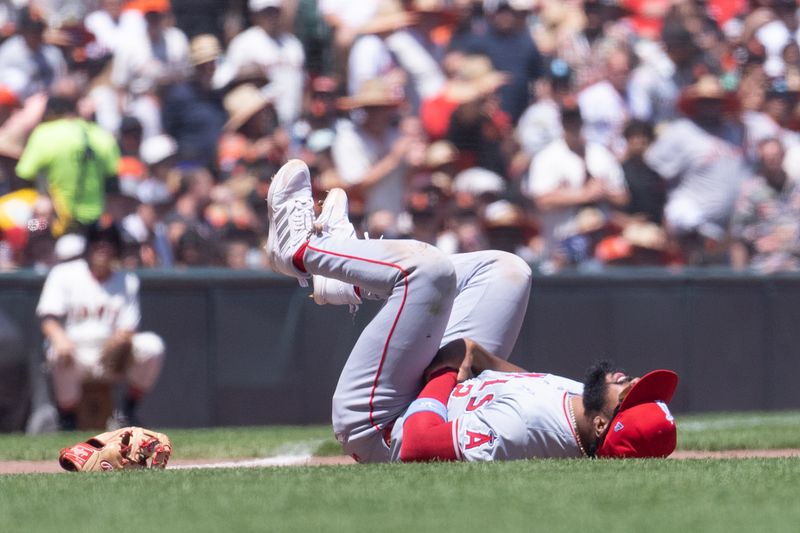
(430, 300)
(142, 372)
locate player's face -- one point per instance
(618, 386)
(101, 258)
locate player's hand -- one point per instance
(64, 350)
(117, 353)
(455, 355)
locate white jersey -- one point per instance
(91, 310)
(507, 416)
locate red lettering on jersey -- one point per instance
(479, 439)
(530, 375)
(462, 390)
(472, 405)
(491, 382)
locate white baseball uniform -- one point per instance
(506, 416)
(91, 312)
(431, 299)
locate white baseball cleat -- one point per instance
(335, 292)
(334, 217)
(291, 217)
(334, 220)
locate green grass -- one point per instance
(727, 431)
(574, 495)
(739, 431)
(539, 495)
(224, 443)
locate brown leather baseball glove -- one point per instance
(124, 449)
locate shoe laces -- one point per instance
(301, 218)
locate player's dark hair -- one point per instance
(105, 230)
(595, 386)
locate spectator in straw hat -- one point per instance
(478, 128)
(192, 111)
(507, 228)
(703, 156)
(471, 80)
(640, 243)
(267, 44)
(252, 139)
(371, 154)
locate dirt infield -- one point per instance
(52, 467)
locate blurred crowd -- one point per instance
(575, 133)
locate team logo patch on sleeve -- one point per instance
(618, 427)
(476, 439)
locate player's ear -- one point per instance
(599, 424)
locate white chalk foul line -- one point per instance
(290, 454)
(278, 460)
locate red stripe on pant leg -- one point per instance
(394, 324)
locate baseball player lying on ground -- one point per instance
(443, 320)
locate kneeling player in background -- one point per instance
(89, 314)
(445, 319)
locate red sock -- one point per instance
(297, 258)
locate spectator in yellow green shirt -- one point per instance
(75, 157)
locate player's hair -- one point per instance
(595, 386)
(107, 231)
